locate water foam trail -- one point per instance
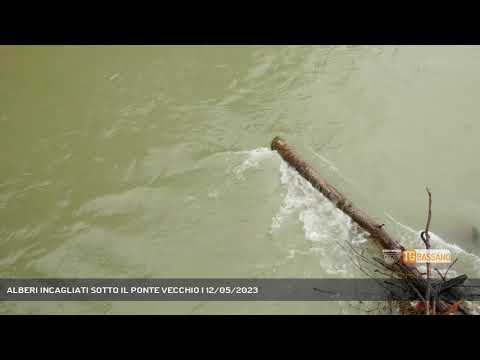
(321, 220)
(325, 226)
(253, 159)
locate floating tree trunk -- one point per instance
(374, 228)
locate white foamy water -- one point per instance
(252, 160)
(327, 228)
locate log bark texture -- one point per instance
(371, 226)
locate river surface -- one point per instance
(154, 161)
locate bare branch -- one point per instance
(426, 240)
(450, 266)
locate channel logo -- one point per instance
(417, 256)
(392, 256)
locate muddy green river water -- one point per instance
(154, 161)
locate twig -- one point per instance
(429, 218)
(426, 240)
(441, 275)
(450, 266)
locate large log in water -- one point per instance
(367, 223)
